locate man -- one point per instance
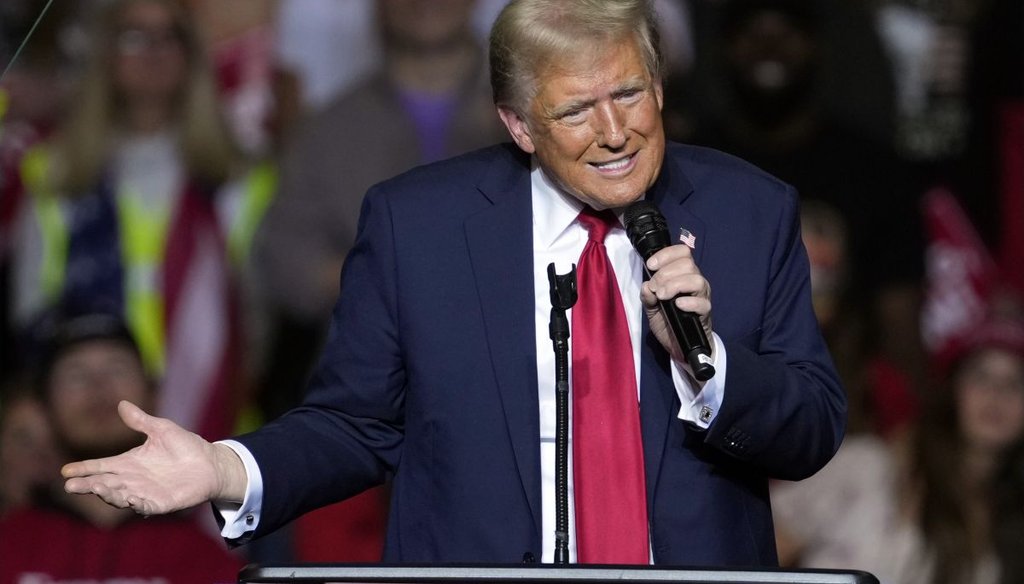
(92, 363)
(437, 371)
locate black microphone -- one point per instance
(648, 231)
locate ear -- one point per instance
(659, 94)
(517, 127)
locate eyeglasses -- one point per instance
(137, 40)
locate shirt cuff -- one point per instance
(700, 405)
(243, 518)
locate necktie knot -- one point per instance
(597, 223)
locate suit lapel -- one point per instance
(500, 241)
(658, 401)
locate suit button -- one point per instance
(529, 558)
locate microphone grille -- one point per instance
(638, 209)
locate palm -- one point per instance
(174, 469)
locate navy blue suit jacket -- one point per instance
(429, 373)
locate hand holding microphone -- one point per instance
(675, 281)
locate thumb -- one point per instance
(135, 418)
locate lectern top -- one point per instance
(540, 574)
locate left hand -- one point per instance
(676, 273)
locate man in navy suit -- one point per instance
(437, 373)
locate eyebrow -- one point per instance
(628, 86)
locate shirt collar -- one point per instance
(554, 210)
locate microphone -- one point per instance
(648, 231)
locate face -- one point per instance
(85, 387)
(425, 25)
(990, 399)
(769, 53)
(149, 53)
(595, 126)
(27, 454)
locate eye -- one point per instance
(629, 95)
(573, 116)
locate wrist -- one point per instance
(232, 480)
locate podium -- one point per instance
(538, 574)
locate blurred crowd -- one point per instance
(180, 182)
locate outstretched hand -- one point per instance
(173, 469)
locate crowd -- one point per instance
(180, 183)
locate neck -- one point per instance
(440, 71)
(979, 467)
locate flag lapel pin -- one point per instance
(687, 238)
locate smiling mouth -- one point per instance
(617, 165)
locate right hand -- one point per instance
(173, 469)
(676, 274)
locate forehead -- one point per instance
(98, 350)
(994, 360)
(595, 67)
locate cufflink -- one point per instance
(249, 519)
(705, 414)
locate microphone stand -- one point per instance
(563, 297)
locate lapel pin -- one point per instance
(687, 238)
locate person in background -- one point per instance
(429, 100)
(27, 453)
(126, 213)
(825, 235)
(34, 91)
(945, 505)
(91, 363)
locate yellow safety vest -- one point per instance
(143, 235)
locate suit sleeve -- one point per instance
(784, 409)
(347, 435)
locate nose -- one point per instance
(610, 126)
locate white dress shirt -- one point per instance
(557, 237)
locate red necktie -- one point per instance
(608, 465)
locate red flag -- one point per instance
(202, 338)
(961, 274)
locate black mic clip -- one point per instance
(563, 297)
(563, 288)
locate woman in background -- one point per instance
(129, 213)
(942, 505)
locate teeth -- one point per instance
(613, 165)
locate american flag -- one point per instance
(687, 238)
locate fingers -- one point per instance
(77, 486)
(676, 274)
(85, 468)
(112, 491)
(135, 418)
(669, 255)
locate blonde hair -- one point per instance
(529, 35)
(84, 142)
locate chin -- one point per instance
(616, 201)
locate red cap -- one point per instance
(1005, 333)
